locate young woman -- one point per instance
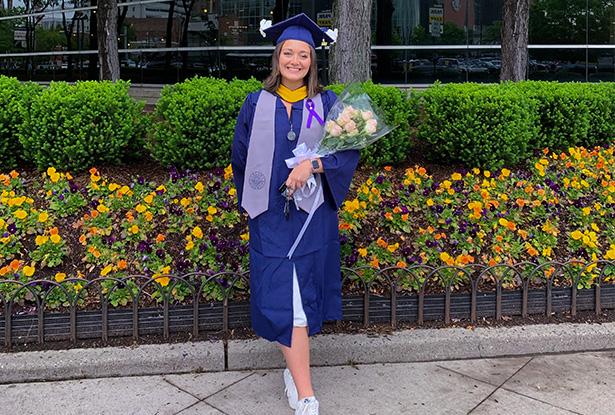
(291, 295)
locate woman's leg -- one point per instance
(298, 361)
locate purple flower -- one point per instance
(411, 188)
(140, 180)
(12, 228)
(380, 179)
(73, 186)
(61, 197)
(160, 253)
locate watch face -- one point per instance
(456, 5)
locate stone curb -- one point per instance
(148, 359)
(406, 346)
(422, 345)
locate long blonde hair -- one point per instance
(272, 83)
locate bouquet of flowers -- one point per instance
(353, 123)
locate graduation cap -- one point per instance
(299, 27)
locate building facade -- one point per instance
(414, 41)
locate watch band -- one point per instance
(315, 165)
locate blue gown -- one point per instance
(317, 257)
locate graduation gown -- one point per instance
(317, 257)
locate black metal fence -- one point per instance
(415, 294)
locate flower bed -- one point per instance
(68, 230)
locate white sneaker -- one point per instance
(290, 389)
(307, 406)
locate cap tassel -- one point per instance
(332, 34)
(265, 24)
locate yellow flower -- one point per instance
(586, 211)
(199, 187)
(43, 216)
(134, 229)
(232, 191)
(595, 227)
(41, 240)
(197, 232)
(149, 216)
(56, 238)
(78, 287)
(245, 236)
(54, 177)
(212, 210)
(610, 254)
(228, 172)
(209, 218)
(456, 176)
(189, 244)
(50, 171)
(21, 214)
(546, 252)
(185, 202)
(161, 187)
(362, 252)
(487, 173)
(140, 208)
(106, 270)
(505, 172)
(393, 247)
(430, 202)
(149, 198)
(60, 276)
(28, 271)
(576, 235)
(102, 208)
(503, 222)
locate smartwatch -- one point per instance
(315, 165)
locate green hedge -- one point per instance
(195, 121)
(73, 127)
(493, 125)
(15, 101)
(478, 125)
(399, 110)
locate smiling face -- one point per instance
(294, 62)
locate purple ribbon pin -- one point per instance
(309, 104)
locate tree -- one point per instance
(107, 40)
(515, 22)
(350, 59)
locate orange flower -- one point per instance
(374, 262)
(122, 264)
(15, 264)
(401, 264)
(82, 240)
(93, 171)
(4, 270)
(14, 174)
(381, 243)
(396, 209)
(94, 214)
(404, 217)
(53, 231)
(160, 238)
(387, 168)
(388, 216)
(344, 226)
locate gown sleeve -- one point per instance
(241, 140)
(340, 166)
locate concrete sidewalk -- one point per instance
(581, 383)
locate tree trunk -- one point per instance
(93, 44)
(350, 58)
(515, 19)
(107, 40)
(280, 11)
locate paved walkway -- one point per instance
(578, 383)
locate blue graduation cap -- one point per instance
(299, 27)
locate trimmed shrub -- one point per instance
(478, 125)
(563, 113)
(600, 99)
(195, 121)
(15, 101)
(400, 109)
(72, 127)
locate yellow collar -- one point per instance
(292, 96)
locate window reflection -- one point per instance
(415, 41)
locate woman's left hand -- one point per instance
(299, 176)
